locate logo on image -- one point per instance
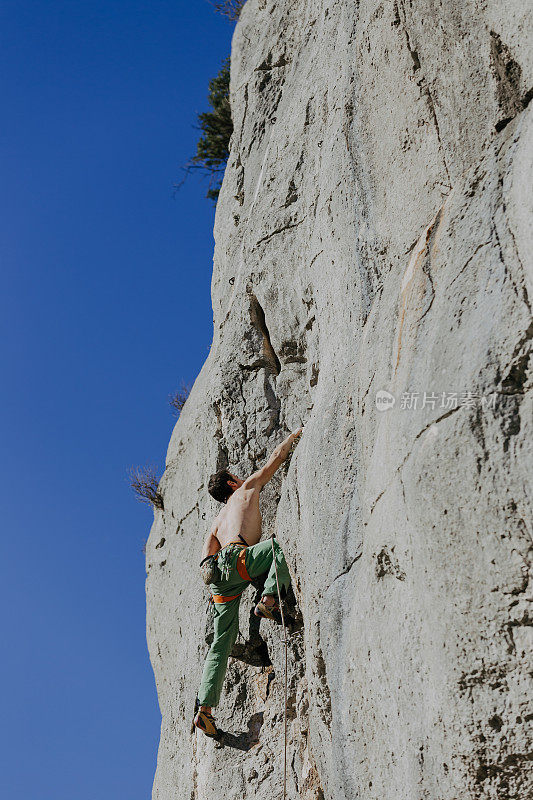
(384, 400)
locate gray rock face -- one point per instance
(373, 234)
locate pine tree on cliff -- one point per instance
(212, 150)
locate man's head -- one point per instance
(222, 485)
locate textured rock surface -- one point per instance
(374, 232)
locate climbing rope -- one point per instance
(285, 676)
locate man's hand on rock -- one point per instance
(286, 446)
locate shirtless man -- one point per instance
(232, 556)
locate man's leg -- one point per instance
(226, 631)
(259, 560)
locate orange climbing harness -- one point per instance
(241, 564)
(221, 598)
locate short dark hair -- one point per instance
(218, 485)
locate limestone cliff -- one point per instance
(373, 234)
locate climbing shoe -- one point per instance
(204, 721)
(268, 612)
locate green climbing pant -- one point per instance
(238, 565)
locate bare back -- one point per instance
(240, 515)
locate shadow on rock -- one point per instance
(244, 740)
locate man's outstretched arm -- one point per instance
(263, 475)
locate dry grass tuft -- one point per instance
(229, 8)
(178, 399)
(145, 483)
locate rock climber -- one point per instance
(232, 555)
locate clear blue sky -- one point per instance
(105, 309)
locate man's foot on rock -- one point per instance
(268, 608)
(204, 721)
